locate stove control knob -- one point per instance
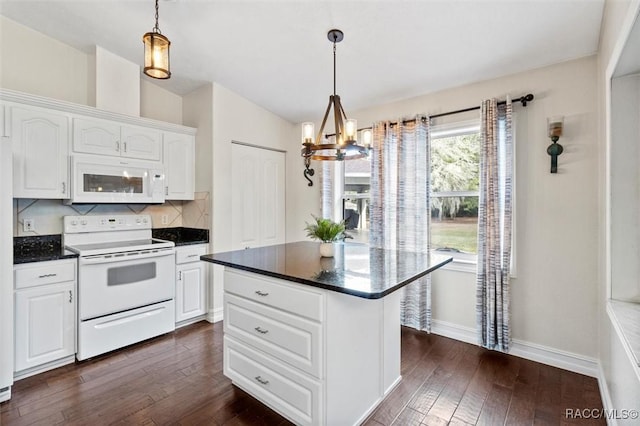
(83, 222)
(74, 222)
(144, 220)
(138, 220)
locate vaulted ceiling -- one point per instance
(276, 53)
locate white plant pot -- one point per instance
(326, 249)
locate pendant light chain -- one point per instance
(157, 28)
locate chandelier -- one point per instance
(156, 52)
(343, 144)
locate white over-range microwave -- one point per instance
(96, 179)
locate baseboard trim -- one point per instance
(527, 350)
(607, 404)
(5, 394)
(44, 367)
(215, 315)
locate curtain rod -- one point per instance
(522, 99)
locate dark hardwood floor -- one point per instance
(177, 379)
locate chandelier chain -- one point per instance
(334, 67)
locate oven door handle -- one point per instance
(123, 257)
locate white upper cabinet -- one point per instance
(141, 142)
(40, 142)
(105, 137)
(179, 166)
(96, 136)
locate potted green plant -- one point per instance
(326, 231)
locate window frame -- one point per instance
(463, 262)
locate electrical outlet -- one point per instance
(28, 225)
(164, 219)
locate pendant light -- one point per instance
(156, 52)
(343, 144)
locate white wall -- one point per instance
(34, 63)
(237, 119)
(159, 103)
(554, 297)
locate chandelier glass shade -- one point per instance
(156, 52)
(343, 144)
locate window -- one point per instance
(355, 198)
(455, 178)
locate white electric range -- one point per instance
(126, 281)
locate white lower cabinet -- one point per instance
(45, 306)
(191, 282)
(315, 356)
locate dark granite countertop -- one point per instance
(182, 236)
(356, 269)
(39, 249)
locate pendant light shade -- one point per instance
(156, 52)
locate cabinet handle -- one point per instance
(125, 146)
(180, 276)
(47, 275)
(70, 296)
(117, 145)
(261, 331)
(193, 255)
(259, 293)
(64, 187)
(166, 190)
(262, 381)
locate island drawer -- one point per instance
(277, 385)
(290, 338)
(275, 293)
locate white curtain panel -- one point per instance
(494, 226)
(399, 206)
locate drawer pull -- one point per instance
(262, 381)
(261, 331)
(47, 275)
(193, 255)
(259, 293)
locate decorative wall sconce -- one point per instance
(555, 125)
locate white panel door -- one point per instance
(272, 208)
(190, 291)
(44, 324)
(258, 203)
(179, 166)
(96, 136)
(245, 197)
(40, 142)
(140, 142)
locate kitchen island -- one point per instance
(316, 339)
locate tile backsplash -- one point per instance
(47, 214)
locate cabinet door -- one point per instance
(96, 136)
(179, 166)
(40, 141)
(44, 324)
(190, 291)
(258, 203)
(140, 142)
